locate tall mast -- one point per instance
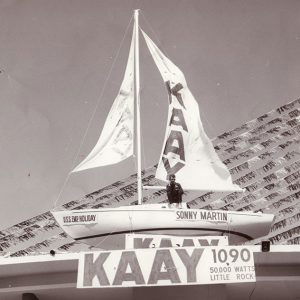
(137, 103)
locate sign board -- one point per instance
(166, 266)
(137, 241)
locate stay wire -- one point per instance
(144, 160)
(94, 112)
(154, 33)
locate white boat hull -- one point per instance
(106, 228)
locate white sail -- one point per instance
(187, 151)
(116, 141)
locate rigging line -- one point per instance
(144, 162)
(94, 112)
(154, 33)
(98, 244)
(143, 154)
(146, 193)
(253, 290)
(130, 219)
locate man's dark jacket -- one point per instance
(174, 192)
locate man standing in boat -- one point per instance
(174, 192)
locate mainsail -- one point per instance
(187, 151)
(116, 140)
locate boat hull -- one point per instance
(106, 228)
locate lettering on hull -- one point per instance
(198, 215)
(80, 219)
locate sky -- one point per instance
(60, 70)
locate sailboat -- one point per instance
(187, 152)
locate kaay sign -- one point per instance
(137, 241)
(168, 266)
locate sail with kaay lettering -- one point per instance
(116, 140)
(187, 151)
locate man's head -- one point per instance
(172, 178)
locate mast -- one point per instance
(137, 103)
